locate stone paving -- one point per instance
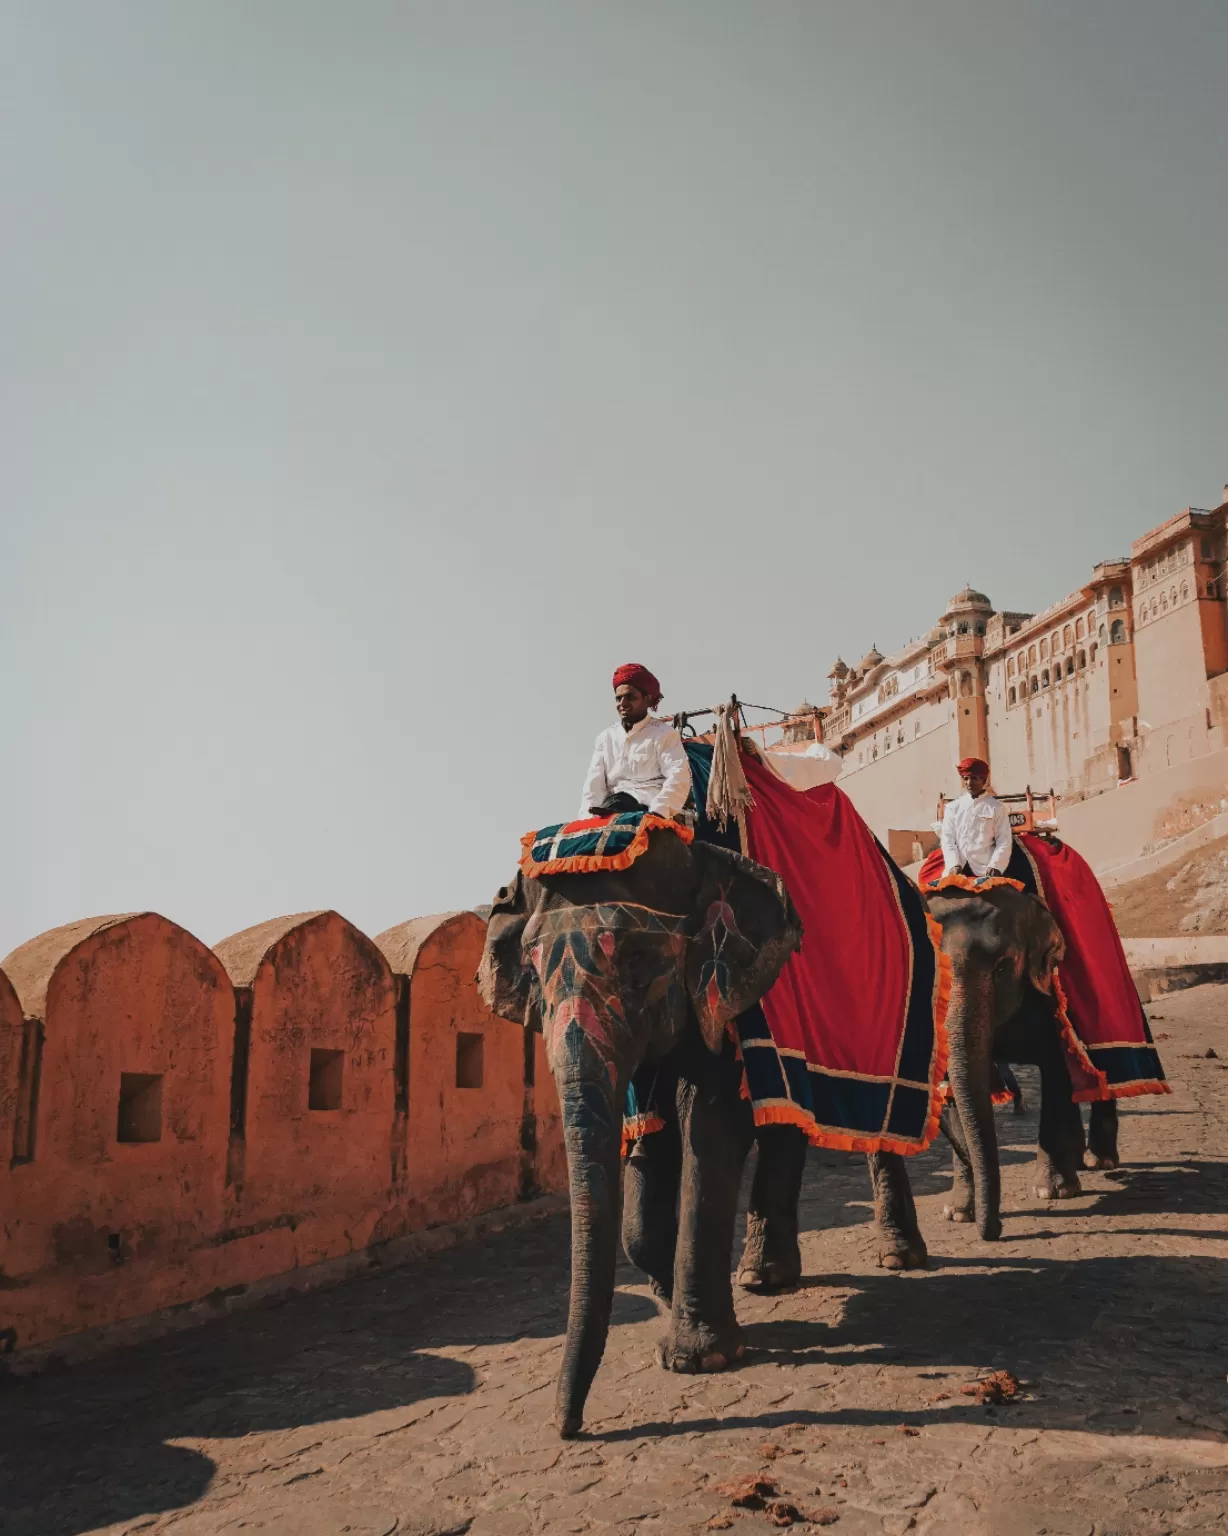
(418, 1402)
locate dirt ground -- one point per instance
(1187, 898)
(419, 1401)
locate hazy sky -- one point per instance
(375, 377)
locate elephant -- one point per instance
(617, 968)
(1004, 947)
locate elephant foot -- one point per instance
(1101, 1163)
(568, 1426)
(990, 1230)
(914, 1255)
(770, 1277)
(691, 1351)
(959, 1213)
(1059, 1188)
(771, 1259)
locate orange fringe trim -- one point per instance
(642, 1125)
(1075, 1047)
(967, 883)
(1136, 1090)
(595, 863)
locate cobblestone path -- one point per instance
(418, 1402)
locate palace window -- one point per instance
(1079, 629)
(1055, 644)
(1070, 666)
(1010, 666)
(1082, 660)
(1103, 634)
(1092, 654)
(1010, 698)
(1185, 591)
(1067, 637)
(1116, 599)
(1031, 655)
(1035, 683)
(1118, 633)
(1044, 678)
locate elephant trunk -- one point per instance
(592, 1135)
(970, 1027)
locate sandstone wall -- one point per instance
(178, 1123)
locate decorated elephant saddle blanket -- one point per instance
(592, 844)
(1109, 1048)
(850, 1043)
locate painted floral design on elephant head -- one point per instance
(586, 960)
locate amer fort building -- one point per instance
(1115, 698)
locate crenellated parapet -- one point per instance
(179, 1122)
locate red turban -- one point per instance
(639, 677)
(973, 765)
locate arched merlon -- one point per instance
(124, 1151)
(467, 1087)
(321, 1153)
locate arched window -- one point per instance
(1044, 649)
(1172, 595)
(1055, 644)
(1070, 666)
(1067, 637)
(1104, 635)
(1092, 655)
(1116, 599)
(1044, 678)
(899, 737)
(1079, 629)
(1010, 698)
(1035, 682)
(1082, 660)
(965, 685)
(1163, 602)
(1185, 591)
(1118, 632)
(1091, 622)
(1154, 608)
(1010, 666)
(1031, 655)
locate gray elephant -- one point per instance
(1004, 947)
(621, 968)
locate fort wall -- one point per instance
(180, 1123)
(1123, 680)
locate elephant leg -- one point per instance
(772, 1259)
(1011, 1083)
(1102, 1136)
(716, 1131)
(962, 1204)
(900, 1244)
(1059, 1154)
(651, 1180)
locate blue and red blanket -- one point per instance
(850, 1044)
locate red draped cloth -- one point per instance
(857, 1016)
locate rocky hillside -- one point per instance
(1186, 898)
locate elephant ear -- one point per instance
(503, 979)
(1045, 948)
(745, 929)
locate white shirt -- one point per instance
(648, 762)
(976, 833)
